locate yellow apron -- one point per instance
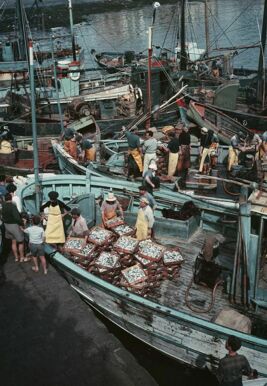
(232, 158)
(135, 153)
(141, 226)
(173, 161)
(109, 213)
(54, 233)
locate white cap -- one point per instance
(204, 129)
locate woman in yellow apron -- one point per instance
(54, 233)
(110, 208)
(145, 220)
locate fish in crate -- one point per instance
(100, 236)
(126, 244)
(114, 222)
(172, 257)
(134, 275)
(123, 230)
(107, 261)
(150, 250)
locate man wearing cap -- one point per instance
(150, 181)
(149, 149)
(151, 200)
(237, 146)
(145, 220)
(110, 207)
(135, 163)
(208, 145)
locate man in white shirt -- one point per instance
(78, 227)
(149, 149)
(145, 220)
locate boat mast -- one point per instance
(150, 51)
(183, 56)
(23, 39)
(56, 87)
(207, 28)
(261, 70)
(34, 130)
(72, 32)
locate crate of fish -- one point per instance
(85, 252)
(107, 261)
(150, 251)
(171, 257)
(123, 230)
(74, 244)
(143, 261)
(114, 222)
(100, 236)
(134, 274)
(126, 244)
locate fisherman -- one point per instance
(233, 366)
(149, 149)
(237, 146)
(135, 164)
(145, 220)
(70, 143)
(150, 180)
(151, 200)
(173, 148)
(86, 150)
(54, 233)
(208, 146)
(110, 207)
(184, 156)
(78, 226)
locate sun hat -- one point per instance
(204, 129)
(111, 197)
(145, 200)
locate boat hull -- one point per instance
(183, 337)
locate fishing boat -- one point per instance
(212, 118)
(19, 158)
(174, 315)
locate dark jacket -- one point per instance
(10, 214)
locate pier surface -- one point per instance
(49, 336)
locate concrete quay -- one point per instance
(50, 337)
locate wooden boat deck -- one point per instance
(173, 291)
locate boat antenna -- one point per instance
(156, 5)
(207, 34)
(72, 32)
(34, 130)
(261, 73)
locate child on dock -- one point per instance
(36, 243)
